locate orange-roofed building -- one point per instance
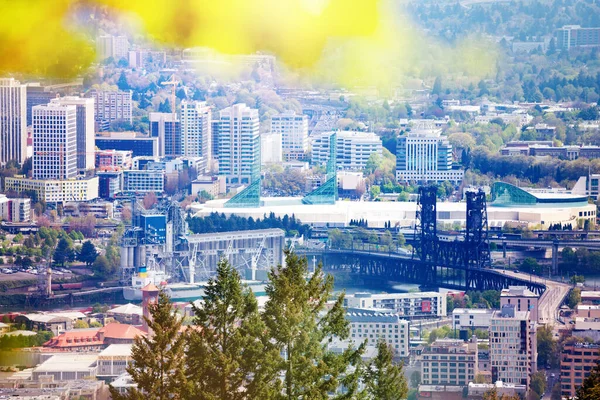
(115, 333)
(79, 340)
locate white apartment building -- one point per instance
(377, 324)
(111, 106)
(56, 191)
(55, 141)
(471, 318)
(353, 149)
(270, 148)
(513, 346)
(116, 47)
(425, 156)
(409, 305)
(86, 142)
(294, 134)
(237, 129)
(143, 181)
(449, 362)
(13, 121)
(522, 298)
(15, 209)
(196, 131)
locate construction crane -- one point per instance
(173, 83)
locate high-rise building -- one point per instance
(55, 141)
(116, 47)
(353, 149)
(294, 134)
(270, 148)
(575, 36)
(111, 106)
(86, 137)
(167, 128)
(239, 143)
(513, 346)
(13, 121)
(449, 362)
(577, 361)
(196, 131)
(36, 95)
(425, 156)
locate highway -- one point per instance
(552, 298)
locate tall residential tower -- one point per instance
(196, 131)
(239, 144)
(13, 121)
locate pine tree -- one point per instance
(590, 389)
(229, 356)
(88, 253)
(385, 380)
(158, 366)
(299, 327)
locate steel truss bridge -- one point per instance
(460, 264)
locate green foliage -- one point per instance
(158, 362)
(590, 389)
(530, 264)
(538, 383)
(216, 222)
(81, 324)
(103, 267)
(547, 348)
(415, 379)
(574, 298)
(297, 327)
(385, 380)
(229, 357)
(88, 253)
(20, 341)
(63, 252)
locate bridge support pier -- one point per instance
(555, 257)
(503, 249)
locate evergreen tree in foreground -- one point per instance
(385, 380)
(590, 389)
(229, 355)
(158, 366)
(300, 326)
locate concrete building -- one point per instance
(53, 191)
(99, 209)
(15, 209)
(477, 391)
(588, 311)
(86, 143)
(142, 58)
(110, 183)
(13, 124)
(575, 36)
(353, 149)
(129, 141)
(513, 346)
(425, 156)
(210, 184)
(109, 159)
(576, 363)
(407, 305)
(449, 362)
(114, 360)
(67, 367)
(55, 141)
(167, 128)
(522, 298)
(126, 314)
(237, 128)
(294, 134)
(116, 47)
(143, 181)
(379, 324)
(270, 148)
(471, 318)
(196, 132)
(37, 95)
(111, 106)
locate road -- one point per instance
(552, 298)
